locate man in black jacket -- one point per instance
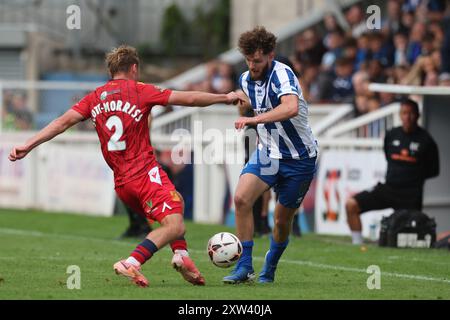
(412, 157)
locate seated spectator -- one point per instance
(423, 72)
(399, 74)
(408, 167)
(350, 49)
(407, 21)
(379, 50)
(376, 71)
(342, 84)
(415, 39)
(331, 25)
(438, 33)
(400, 45)
(410, 5)
(392, 24)
(356, 19)
(427, 44)
(309, 47)
(363, 51)
(309, 82)
(335, 45)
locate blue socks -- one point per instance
(246, 257)
(273, 256)
(275, 252)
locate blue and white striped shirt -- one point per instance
(288, 139)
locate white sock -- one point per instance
(183, 253)
(357, 237)
(133, 261)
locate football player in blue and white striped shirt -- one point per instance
(286, 155)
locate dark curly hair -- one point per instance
(257, 39)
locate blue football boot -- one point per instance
(241, 273)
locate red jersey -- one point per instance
(119, 111)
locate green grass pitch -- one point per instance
(36, 248)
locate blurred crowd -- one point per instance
(220, 78)
(334, 65)
(411, 48)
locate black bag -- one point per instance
(407, 229)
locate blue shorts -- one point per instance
(290, 178)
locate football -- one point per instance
(224, 249)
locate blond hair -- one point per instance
(121, 59)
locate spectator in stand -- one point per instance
(335, 44)
(351, 49)
(424, 72)
(342, 85)
(400, 73)
(376, 71)
(410, 5)
(309, 47)
(407, 21)
(393, 22)
(400, 47)
(415, 39)
(438, 33)
(331, 25)
(309, 82)
(356, 19)
(427, 44)
(363, 50)
(380, 50)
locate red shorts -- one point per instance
(152, 195)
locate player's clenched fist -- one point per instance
(18, 153)
(232, 98)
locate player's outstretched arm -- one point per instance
(201, 99)
(286, 110)
(56, 127)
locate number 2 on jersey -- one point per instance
(114, 144)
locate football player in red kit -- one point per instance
(119, 111)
